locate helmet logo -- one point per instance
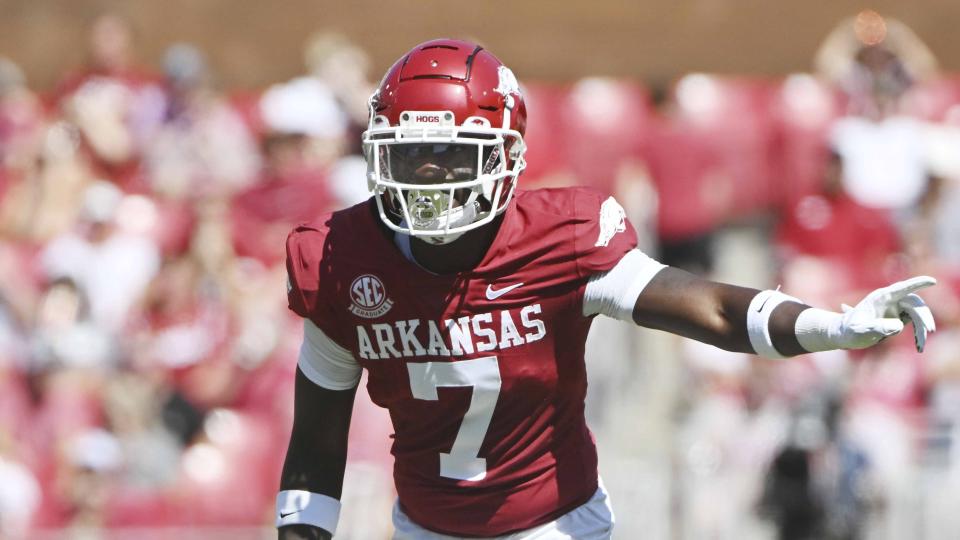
(508, 82)
(369, 297)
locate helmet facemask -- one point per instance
(435, 180)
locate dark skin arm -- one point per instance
(317, 453)
(681, 303)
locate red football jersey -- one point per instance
(482, 371)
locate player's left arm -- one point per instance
(626, 284)
(772, 324)
(741, 319)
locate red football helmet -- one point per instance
(444, 145)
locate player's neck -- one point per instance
(463, 254)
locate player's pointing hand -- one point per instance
(881, 314)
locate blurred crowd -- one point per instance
(147, 355)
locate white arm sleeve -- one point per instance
(614, 293)
(324, 362)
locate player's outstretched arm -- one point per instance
(773, 324)
(312, 478)
(302, 532)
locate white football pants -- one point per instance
(593, 520)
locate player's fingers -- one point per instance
(919, 337)
(903, 288)
(871, 331)
(889, 327)
(917, 310)
(920, 330)
(914, 308)
(846, 307)
(880, 327)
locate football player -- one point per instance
(468, 302)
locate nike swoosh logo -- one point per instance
(282, 515)
(493, 294)
(767, 299)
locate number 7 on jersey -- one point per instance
(483, 375)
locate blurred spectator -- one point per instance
(790, 496)
(882, 162)
(65, 335)
(18, 299)
(694, 191)
(93, 457)
(593, 150)
(111, 263)
(307, 107)
(329, 107)
(21, 122)
(343, 67)
(832, 226)
(873, 59)
(348, 181)
(881, 152)
(804, 110)
(203, 148)
(182, 332)
(306, 130)
(19, 494)
(115, 103)
(938, 235)
(883, 418)
(41, 173)
(133, 406)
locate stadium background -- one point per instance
(146, 357)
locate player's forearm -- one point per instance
(732, 333)
(783, 324)
(317, 452)
(311, 482)
(309, 467)
(715, 313)
(302, 532)
(314, 476)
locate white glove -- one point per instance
(878, 316)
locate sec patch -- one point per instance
(368, 297)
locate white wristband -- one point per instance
(758, 321)
(818, 329)
(296, 507)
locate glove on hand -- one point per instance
(879, 315)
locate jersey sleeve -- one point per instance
(304, 251)
(309, 281)
(603, 234)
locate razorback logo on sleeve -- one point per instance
(613, 220)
